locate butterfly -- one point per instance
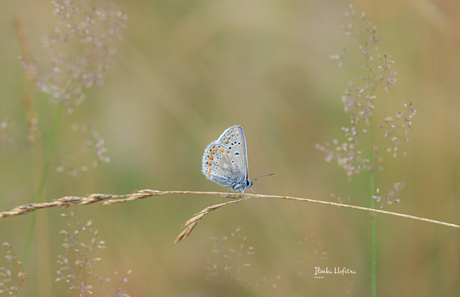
(225, 160)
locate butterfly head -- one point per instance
(242, 186)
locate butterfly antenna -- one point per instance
(254, 178)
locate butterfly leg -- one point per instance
(228, 191)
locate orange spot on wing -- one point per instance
(210, 157)
(212, 152)
(209, 163)
(226, 141)
(222, 150)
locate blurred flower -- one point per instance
(397, 187)
(395, 126)
(5, 135)
(80, 49)
(78, 260)
(90, 144)
(359, 100)
(13, 276)
(226, 265)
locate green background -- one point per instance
(186, 71)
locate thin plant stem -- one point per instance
(41, 186)
(109, 199)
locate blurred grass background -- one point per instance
(187, 70)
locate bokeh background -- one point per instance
(187, 70)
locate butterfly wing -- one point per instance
(225, 159)
(234, 138)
